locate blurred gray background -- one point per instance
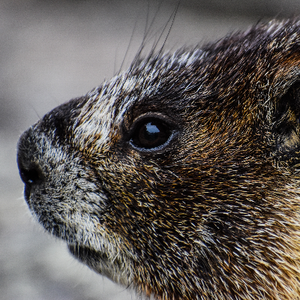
(52, 51)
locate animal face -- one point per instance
(181, 176)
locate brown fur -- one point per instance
(213, 211)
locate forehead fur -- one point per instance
(107, 104)
(264, 56)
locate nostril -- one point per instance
(31, 175)
(28, 159)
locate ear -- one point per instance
(286, 125)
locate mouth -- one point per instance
(87, 255)
(118, 269)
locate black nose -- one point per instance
(29, 169)
(31, 174)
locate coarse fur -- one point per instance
(211, 210)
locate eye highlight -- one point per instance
(151, 133)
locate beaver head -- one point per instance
(180, 177)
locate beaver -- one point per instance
(180, 177)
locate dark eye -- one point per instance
(150, 134)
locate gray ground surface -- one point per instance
(51, 51)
